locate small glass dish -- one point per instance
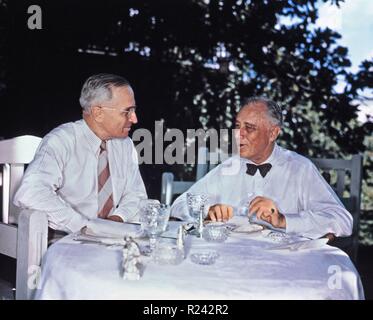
(215, 232)
(168, 253)
(278, 237)
(204, 257)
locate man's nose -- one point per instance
(133, 118)
(242, 132)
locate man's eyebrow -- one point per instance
(250, 124)
(130, 107)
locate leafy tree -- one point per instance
(192, 61)
(207, 55)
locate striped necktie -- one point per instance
(105, 189)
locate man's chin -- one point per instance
(121, 136)
(242, 150)
(244, 154)
(125, 132)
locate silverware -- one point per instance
(303, 244)
(108, 242)
(167, 237)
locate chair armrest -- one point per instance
(31, 247)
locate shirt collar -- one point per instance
(274, 155)
(93, 140)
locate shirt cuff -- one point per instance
(76, 222)
(292, 222)
(296, 224)
(180, 211)
(126, 217)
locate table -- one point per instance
(246, 269)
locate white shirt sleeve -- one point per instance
(321, 210)
(38, 189)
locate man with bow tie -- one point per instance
(280, 186)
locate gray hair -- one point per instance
(274, 110)
(97, 89)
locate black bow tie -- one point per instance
(263, 169)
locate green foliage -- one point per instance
(192, 62)
(208, 55)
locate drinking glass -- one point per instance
(215, 232)
(154, 218)
(167, 252)
(198, 208)
(204, 257)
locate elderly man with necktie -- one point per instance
(88, 169)
(280, 186)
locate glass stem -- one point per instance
(200, 222)
(152, 242)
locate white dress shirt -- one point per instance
(309, 204)
(62, 178)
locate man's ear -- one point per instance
(97, 113)
(275, 131)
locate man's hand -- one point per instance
(330, 236)
(220, 212)
(267, 210)
(115, 218)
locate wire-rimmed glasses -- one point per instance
(125, 112)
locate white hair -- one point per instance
(97, 89)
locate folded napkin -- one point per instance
(111, 229)
(248, 228)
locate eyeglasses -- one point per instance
(125, 112)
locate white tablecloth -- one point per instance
(244, 270)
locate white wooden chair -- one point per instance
(23, 235)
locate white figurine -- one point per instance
(131, 260)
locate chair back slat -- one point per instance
(8, 236)
(356, 167)
(12, 176)
(341, 180)
(333, 164)
(14, 154)
(202, 163)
